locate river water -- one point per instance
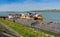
(50, 16)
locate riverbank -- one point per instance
(26, 31)
(44, 25)
(50, 10)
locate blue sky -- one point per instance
(25, 5)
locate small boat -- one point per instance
(27, 16)
(31, 16)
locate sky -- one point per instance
(26, 5)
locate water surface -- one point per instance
(50, 16)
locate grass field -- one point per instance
(25, 31)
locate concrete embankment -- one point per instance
(27, 22)
(44, 25)
(49, 26)
(5, 31)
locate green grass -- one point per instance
(25, 31)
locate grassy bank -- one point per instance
(52, 10)
(23, 30)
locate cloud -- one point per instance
(28, 5)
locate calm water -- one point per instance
(51, 16)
